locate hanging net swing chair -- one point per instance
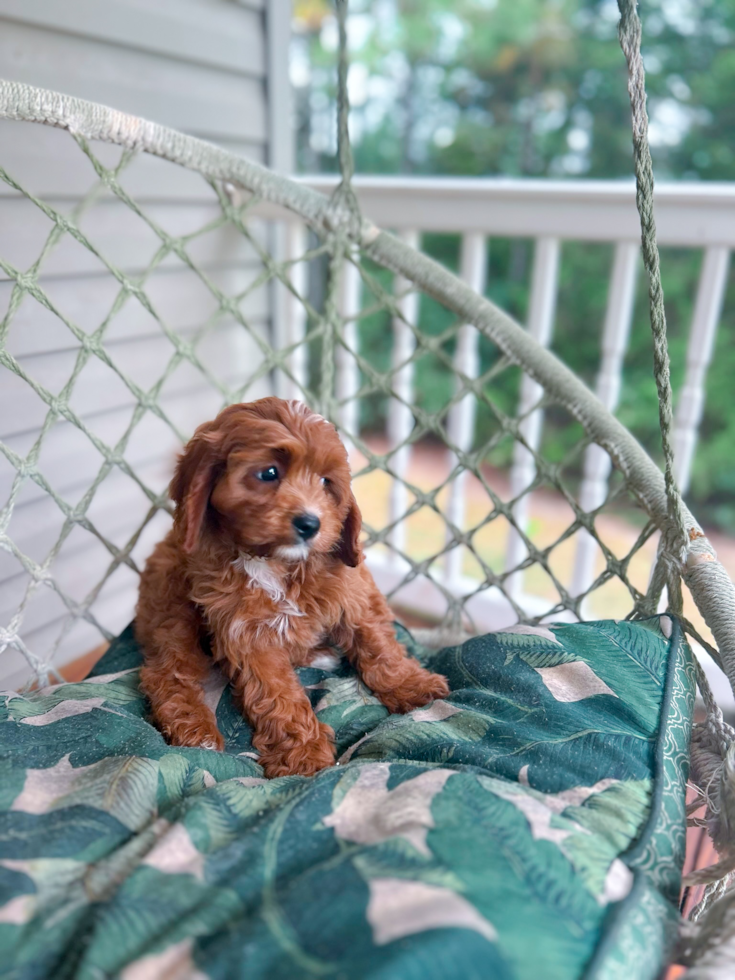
(533, 823)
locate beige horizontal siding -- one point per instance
(196, 65)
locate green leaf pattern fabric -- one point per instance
(530, 825)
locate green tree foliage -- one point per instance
(537, 88)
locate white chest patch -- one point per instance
(261, 575)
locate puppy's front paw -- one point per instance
(298, 756)
(414, 691)
(195, 734)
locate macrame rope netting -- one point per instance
(29, 285)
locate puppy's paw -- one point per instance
(420, 687)
(196, 735)
(299, 756)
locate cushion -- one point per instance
(530, 825)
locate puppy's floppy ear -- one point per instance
(193, 481)
(349, 549)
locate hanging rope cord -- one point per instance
(345, 220)
(674, 538)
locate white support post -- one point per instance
(461, 421)
(400, 416)
(707, 309)
(544, 287)
(291, 315)
(618, 318)
(348, 372)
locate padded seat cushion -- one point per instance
(531, 825)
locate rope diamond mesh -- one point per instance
(266, 370)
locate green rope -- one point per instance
(345, 208)
(346, 161)
(674, 537)
(345, 219)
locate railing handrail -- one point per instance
(687, 213)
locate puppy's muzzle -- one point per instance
(306, 525)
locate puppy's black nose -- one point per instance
(306, 525)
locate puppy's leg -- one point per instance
(167, 627)
(172, 678)
(287, 734)
(400, 682)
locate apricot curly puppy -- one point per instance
(264, 559)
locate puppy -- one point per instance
(264, 561)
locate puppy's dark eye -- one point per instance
(268, 475)
(326, 481)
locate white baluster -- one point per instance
(544, 286)
(618, 317)
(348, 372)
(290, 314)
(707, 309)
(461, 421)
(400, 416)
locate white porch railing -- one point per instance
(549, 212)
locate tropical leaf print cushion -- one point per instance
(529, 826)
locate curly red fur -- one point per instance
(235, 570)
